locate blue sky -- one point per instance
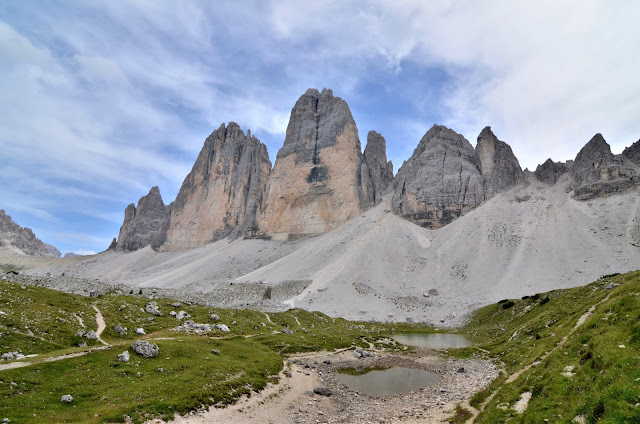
(101, 100)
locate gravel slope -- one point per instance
(378, 266)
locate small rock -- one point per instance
(287, 331)
(118, 329)
(160, 369)
(140, 331)
(173, 313)
(215, 317)
(80, 333)
(66, 399)
(322, 391)
(152, 308)
(287, 373)
(176, 304)
(91, 335)
(6, 420)
(461, 370)
(233, 323)
(215, 352)
(145, 349)
(221, 327)
(124, 356)
(138, 374)
(326, 361)
(182, 315)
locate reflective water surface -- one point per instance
(387, 382)
(433, 340)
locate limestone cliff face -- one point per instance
(597, 172)
(633, 152)
(550, 171)
(375, 164)
(317, 182)
(223, 191)
(14, 236)
(498, 165)
(143, 225)
(440, 181)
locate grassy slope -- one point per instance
(605, 385)
(43, 321)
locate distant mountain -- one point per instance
(22, 240)
(321, 179)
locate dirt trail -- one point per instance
(101, 325)
(22, 364)
(513, 377)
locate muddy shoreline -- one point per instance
(293, 401)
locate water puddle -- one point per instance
(433, 340)
(387, 382)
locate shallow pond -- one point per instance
(433, 340)
(387, 382)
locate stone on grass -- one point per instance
(124, 356)
(182, 315)
(66, 399)
(215, 317)
(173, 313)
(145, 349)
(91, 335)
(118, 329)
(152, 308)
(287, 331)
(176, 304)
(140, 331)
(221, 327)
(215, 352)
(80, 333)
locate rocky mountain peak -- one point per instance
(633, 152)
(375, 161)
(317, 181)
(550, 171)
(497, 163)
(143, 225)
(223, 192)
(440, 181)
(22, 239)
(597, 172)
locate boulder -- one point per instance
(118, 329)
(287, 331)
(221, 327)
(192, 327)
(124, 356)
(91, 335)
(322, 391)
(182, 315)
(145, 349)
(152, 308)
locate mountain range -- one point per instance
(329, 227)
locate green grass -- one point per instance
(604, 387)
(460, 415)
(105, 390)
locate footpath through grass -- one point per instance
(191, 371)
(592, 376)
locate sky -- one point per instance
(101, 100)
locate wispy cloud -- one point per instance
(102, 100)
